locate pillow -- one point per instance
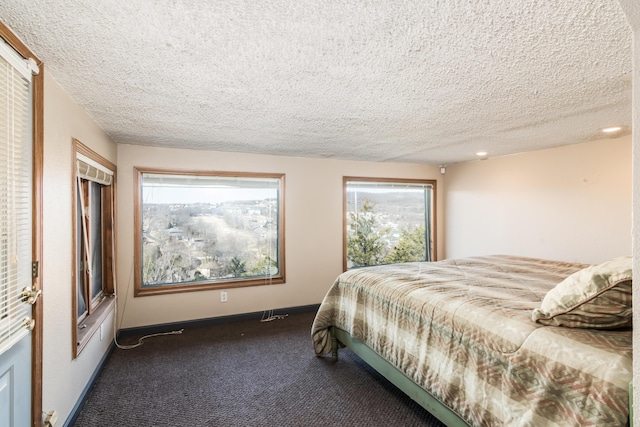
(598, 297)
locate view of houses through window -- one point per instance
(388, 221)
(198, 229)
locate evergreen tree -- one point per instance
(364, 242)
(410, 247)
(237, 267)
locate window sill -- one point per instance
(87, 328)
(206, 286)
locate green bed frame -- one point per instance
(395, 376)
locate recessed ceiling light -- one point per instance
(612, 129)
(481, 153)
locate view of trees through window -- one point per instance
(203, 229)
(387, 222)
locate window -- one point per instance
(388, 221)
(207, 230)
(94, 242)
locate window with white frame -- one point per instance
(388, 221)
(207, 230)
(94, 241)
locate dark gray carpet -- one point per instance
(244, 373)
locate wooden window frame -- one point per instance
(98, 308)
(345, 220)
(140, 290)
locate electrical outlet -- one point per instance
(223, 296)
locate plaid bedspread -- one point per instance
(462, 330)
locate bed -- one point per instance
(493, 340)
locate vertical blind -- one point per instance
(15, 195)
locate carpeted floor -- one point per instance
(245, 373)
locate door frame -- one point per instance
(38, 137)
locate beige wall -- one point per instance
(313, 226)
(571, 203)
(64, 378)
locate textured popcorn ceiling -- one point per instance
(429, 81)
